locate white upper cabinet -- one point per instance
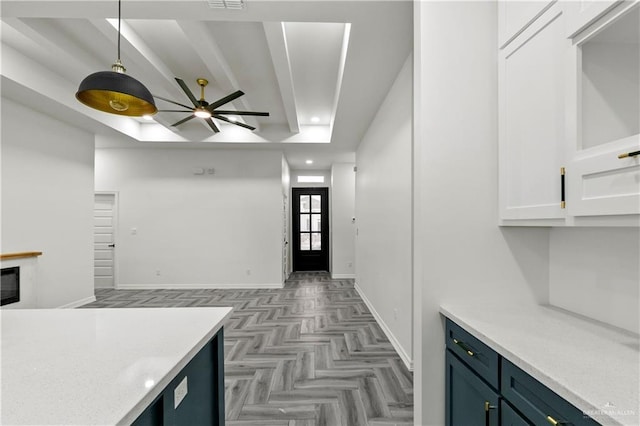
(531, 120)
(603, 116)
(569, 113)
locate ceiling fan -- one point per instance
(206, 110)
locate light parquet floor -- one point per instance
(305, 355)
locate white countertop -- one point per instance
(591, 365)
(95, 366)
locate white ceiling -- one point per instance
(296, 59)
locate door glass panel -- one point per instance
(316, 243)
(304, 242)
(304, 222)
(315, 203)
(315, 223)
(304, 204)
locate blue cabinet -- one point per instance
(195, 396)
(469, 400)
(485, 389)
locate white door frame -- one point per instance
(115, 232)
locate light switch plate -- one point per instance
(180, 392)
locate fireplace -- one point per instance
(10, 285)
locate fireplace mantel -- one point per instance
(20, 255)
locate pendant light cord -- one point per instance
(119, 13)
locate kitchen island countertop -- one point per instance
(95, 366)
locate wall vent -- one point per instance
(226, 4)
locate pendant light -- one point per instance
(114, 91)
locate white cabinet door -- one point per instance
(604, 117)
(515, 16)
(531, 120)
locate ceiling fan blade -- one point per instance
(212, 125)
(183, 120)
(175, 110)
(226, 99)
(188, 92)
(237, 123)
(259, 114)
(173, 102)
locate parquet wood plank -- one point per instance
(310, 354)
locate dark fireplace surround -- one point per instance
(10, 285)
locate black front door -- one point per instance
(310, 229)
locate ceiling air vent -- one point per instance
(226, 4)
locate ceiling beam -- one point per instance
(211, 55)
(146, 59)
(276, 39)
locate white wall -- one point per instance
(210, 230)
(461, 253)
(595, 272)
(383, 214)
(343, 195)
(47, 202)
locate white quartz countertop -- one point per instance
(95, 366)
(591, 365)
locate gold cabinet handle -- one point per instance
(464, 347)
(555, 422)
(629, 154)
(487, 416)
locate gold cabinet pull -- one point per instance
(464, 347)
(487, 416)
(629, 154)
(555, 422)
(563, 203)
(488, 406)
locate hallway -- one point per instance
(308, 354)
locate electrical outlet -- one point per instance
(180, 392)
(350, 264)
(158, 273)
(248, 271)
(395, 314)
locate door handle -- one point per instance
(111, 245)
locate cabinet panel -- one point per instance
(510, 417)
(537, 402)
(482, 359)
(469, 401)
(531, 120)
(604, 117)
(581, 13)
(515, 16)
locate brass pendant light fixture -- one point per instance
(114, 91)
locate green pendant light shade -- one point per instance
(115, 92)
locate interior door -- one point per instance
(103, 240)
(310, 226)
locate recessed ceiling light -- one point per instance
(309, 161)
(315, 119)
(147, 117)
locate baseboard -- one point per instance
(243, 286)
(78, 303)
(406, 359)
(343, 276)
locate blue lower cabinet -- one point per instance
(510, 417)
(538, 403)
(196, 395)
(469, 400)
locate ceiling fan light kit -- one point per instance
(114, 91)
